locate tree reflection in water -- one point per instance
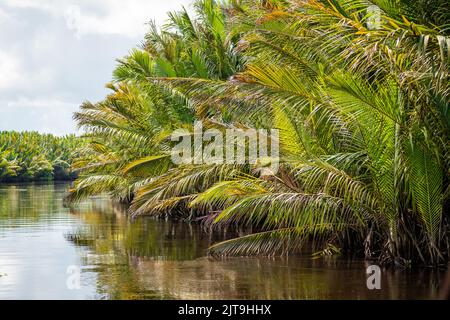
(148, 258)
(156, 259)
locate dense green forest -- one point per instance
(359, 91)
(30, 156)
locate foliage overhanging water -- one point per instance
(145, 258)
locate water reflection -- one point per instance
(144, 258)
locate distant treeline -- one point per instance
(31, 156)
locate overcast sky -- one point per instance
(55, 54)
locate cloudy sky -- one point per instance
(55, 54)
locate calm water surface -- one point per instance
(41, 243)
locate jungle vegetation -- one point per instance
(359, 91)
(31, 156)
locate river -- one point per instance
(95, 251)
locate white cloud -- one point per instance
(9, 71)
(24, 102)
(55, 54)
(4, 16)
(111, 17)
(13, 75)
(45, 115)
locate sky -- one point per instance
(55, 54)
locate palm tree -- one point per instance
(8, 168)
(363, 116)
(358, 90)
(129, 130)
(30, 156)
